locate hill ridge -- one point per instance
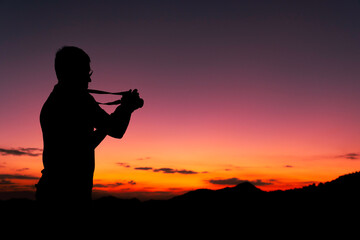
(339, 195)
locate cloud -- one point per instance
(171, 170)
(259, 182)
(288, 166)
(236, 181)
(132, 182)
(351, 156)
(165, 170)
(22, 169)
(5, 182)
(17, 176)
(112, 185)
(32, 152)
(123, 164)
(168, 170)
(228, 181)
(7, 185)
(145, 158)
(186, 171)
(143, 168)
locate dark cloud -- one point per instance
(351, 156)
(13, 188)
(132, 182)
(115, 184)
(123, 164)
(32, 152)
(175, 189)
(186, 171)
(165, 170)
(289, 166)
(17, 176)
(98, 185)
(5, 182)
(145, 158)
(112, 185)
(108, 185)
(168, 170)
(143, 168)
(228, 181)
(171, 170)
(22, 169)
(235, 181)
(259, 182)
(308, 182)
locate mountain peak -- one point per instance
(241, 188)
(246, 186)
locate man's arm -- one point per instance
(115, 124)
(119, 121)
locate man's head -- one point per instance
(72, 67)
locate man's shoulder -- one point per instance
(63, 97)
(90, 99)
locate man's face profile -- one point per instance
(83, 77)
(72, 66)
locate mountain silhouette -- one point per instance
(329, 202)
(242, 190)
(346, 185)
(324, 202)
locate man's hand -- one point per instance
(131, 100)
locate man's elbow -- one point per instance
(118, 129)
(117, 134)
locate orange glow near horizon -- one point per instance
(161, 175)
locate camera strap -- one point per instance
(112, 93)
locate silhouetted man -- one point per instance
(73, 125)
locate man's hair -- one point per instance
(70, 61)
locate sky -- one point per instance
(259, 91)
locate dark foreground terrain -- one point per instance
(334, 203)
